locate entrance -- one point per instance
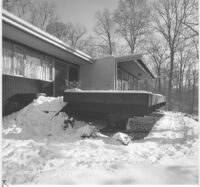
(61, 73)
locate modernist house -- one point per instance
(37, 62)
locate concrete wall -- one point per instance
(98, 76)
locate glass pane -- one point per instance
(43, 67)
(8, 53)
(135, 84)
(19, 60)
(119, 79)
(130, 82)
(49, 69)
(33, 66)
(125, 81)
(74, 77)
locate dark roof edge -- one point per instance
(138, 58)
(146, 68)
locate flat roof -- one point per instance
(25, 27)
(138, 58)
(13, 20)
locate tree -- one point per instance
(195, 75)
(57, 29)
(42, 13)
(17, 7)
(75, 34)
(132, 18)
(184, 60)
(104, 30)
(169, 22)
(158, 55)
(192, 23)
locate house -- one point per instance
(37, 62)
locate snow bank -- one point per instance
(37, 120)
(36, 150)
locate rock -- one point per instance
(122, 138)
(87, 131)
(68, 122)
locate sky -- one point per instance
(82, 11)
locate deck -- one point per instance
(114, 106)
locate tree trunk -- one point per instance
(192, 104)
(180, 95)
(159, 81)
(170, 80)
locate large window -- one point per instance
(126, 81)
(119, 79)
(26, 62)
(73, 77)
(19, 58)
(8, 58)
(125, 85)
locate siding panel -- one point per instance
(13, 85)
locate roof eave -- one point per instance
(31, 29)
(138, 57)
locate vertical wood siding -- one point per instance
(13, 85)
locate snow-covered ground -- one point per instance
(36, 150)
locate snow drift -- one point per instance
(36, 150)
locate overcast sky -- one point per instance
(82, 11)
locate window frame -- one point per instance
(25, 49)
(135, 79)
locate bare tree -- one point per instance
(17, 7)
(57, 29)
(6, 4)
(184, 59)
(169, 22)
(195, 75)
(132, 18)
(104, 29)
(158, 55)
(90, 46)
(75, 34)
(42, 13)
(192, 23)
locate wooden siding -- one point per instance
(14, 85)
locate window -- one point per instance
(18, 60)
(130, 82)
(126, 81)
(119, 79)
(49, 68)
(8, 60)
(26, 62)
(73, 77)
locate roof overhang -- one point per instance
(140, 62)
(25, 33)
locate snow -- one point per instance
(121, 137)
(37, 150)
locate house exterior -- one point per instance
(114, 73)
(34, 61)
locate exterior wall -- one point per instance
(99, 76)
(13, 85)
(20, 84)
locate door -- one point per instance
(74, 77)
(61, 75)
